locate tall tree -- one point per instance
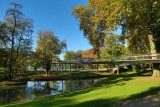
(95, 34)
(48, 47)
(138, 19)
(145, 15)
(17, 31)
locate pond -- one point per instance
(34, 89)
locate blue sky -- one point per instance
(53, 15)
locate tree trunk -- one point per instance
(70, 70)
(153, 52)
(48, 67)
(47, 73)
(97, 67)
(62, 67)
(10, 70)
(156, 72)
(117, 67)
(11, 59)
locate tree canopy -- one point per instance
(16, 31)
(113, 47)
(48, 47)
(71, 55)
(137, 18)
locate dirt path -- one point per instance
(149, 101)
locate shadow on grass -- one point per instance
(149, 98)
(97, 103)
(50, 102)
(119, 80)
(79, 92)
(114, 81)
(109, 102)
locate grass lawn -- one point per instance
(113, 89)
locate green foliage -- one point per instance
(71, 55)
(93, 32)
(4, 56)
(113, 47)
(35, 61)
(48, 47)
(4, 70)
(137, 18)
(142, 21)
(16, 31)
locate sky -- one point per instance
(55, 15)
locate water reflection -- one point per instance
(40, 88)
(12, 94)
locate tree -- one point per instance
(16, 37)
(88, 54)
(35, 60)
(2, 31)
(48, 47)
(138, 19)
(95, 34)
(71, 55)
(113, 47)
(4, 55)
(145, 16)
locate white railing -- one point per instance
(142, 57)
(123, 58)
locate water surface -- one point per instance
(33, 89)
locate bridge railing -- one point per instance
(142, 57)
(123, 58)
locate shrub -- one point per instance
(3, 70)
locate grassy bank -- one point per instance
(41, 75)
(66, 75)
(113, 89)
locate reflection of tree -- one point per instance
(67, 86)
(55, 87)
(43, 88)
(37, 88)
(47, 88)
(12, 94)
(54, 84)
(72, 85)
(62, 86)
(40, 88)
